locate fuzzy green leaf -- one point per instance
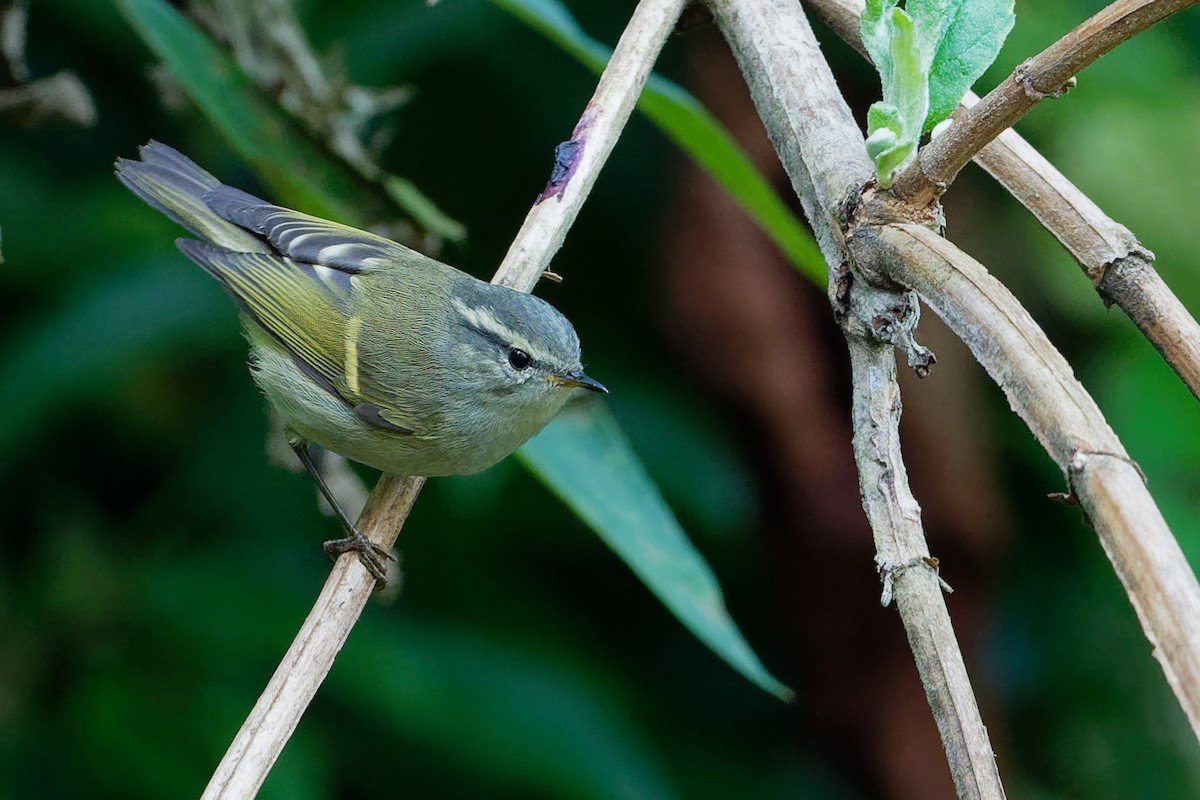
(974, 33)
(894, 44)
(928, 54)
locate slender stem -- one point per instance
(908, 571)
(1044, 75)
(823, 152)
(274, 717)
(578, 159)
(264, 733)
(1042, 389)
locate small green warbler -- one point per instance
(363, 346)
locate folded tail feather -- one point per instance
(170, 182)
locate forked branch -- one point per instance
(1045, 75)
(822, 149)
(1119, 266)
(1042, 389)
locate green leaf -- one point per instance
(586, 460)
(689, 125)
(931, 19)
(894, 45)
(876, 35)
(974, 32)
(300, 171)
(927, 54)
(888, 146)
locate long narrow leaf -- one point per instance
(263, 134)
(586, 460)
(688, 124)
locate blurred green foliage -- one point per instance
(155, 566)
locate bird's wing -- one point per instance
(304, 238)
(308, 309)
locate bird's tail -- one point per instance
(172, 183)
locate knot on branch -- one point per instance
(1076, 464)
(1080, 458)
(1135, 258)
(877, 305)
(891, 316)
(890, 572)
(896, 325)
(1025, 78)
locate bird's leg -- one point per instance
(370, 554)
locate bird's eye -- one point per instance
(519, 359)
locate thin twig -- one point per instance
(909, 573)
(295, 682)
(823, 152)
(1042, 389)
(1119, 266)
(1044, 75)
(578, 160)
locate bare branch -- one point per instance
(578, 160)
(1044, 75)
(1042, 389)
(822, 149)
(1118, 265)
(274, 717)
(909, 573)
(806, 117)
(261, 738)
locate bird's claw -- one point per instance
(372, 556)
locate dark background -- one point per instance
(154, 565)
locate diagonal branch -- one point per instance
(823, 152)
(1119, 266)
(1043, 390)
(1044, 75)
(274, 717)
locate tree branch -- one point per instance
(1042, 389)
(1119, 266)
(822, 149)
(1044, 75)
(264, 733)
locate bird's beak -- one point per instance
(577, 380)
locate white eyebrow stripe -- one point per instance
(485, 320)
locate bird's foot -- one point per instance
(372, 556)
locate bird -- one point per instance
(365, 347)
